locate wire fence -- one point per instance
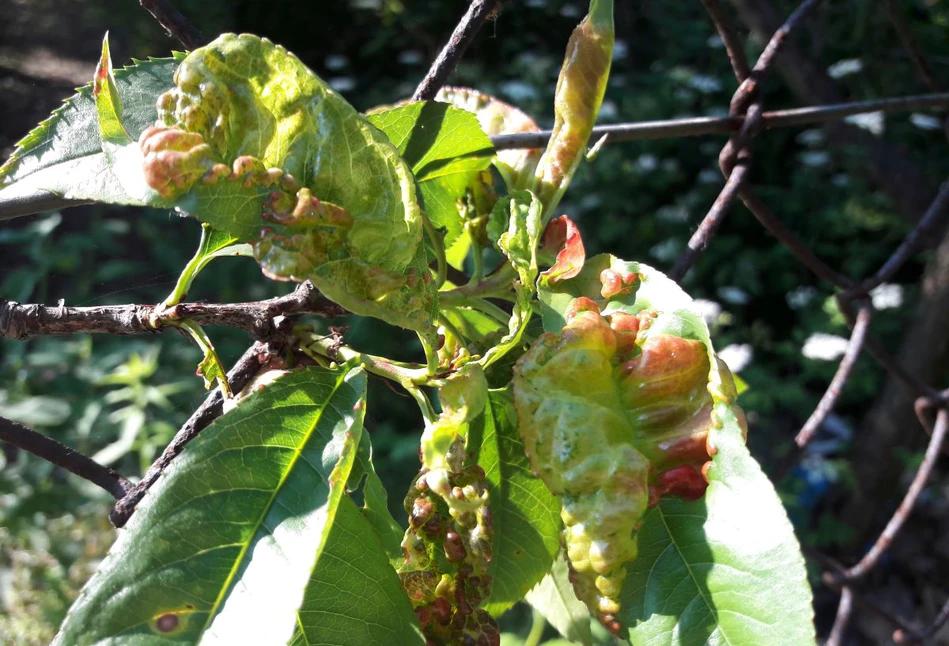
(746, 120)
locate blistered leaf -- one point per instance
(223, 548)
(525, 515)
(63, 155)
(726, 547)
(252, 142)
(498, 118)
(580, 90)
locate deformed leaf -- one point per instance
(732, 550)
(254, 143)
(562, 241)
(63, 155)
(580, 89)
(224, 546)
(526, 516)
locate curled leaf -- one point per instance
(561, 237)
(580, 89)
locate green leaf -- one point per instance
(553, 597)
(223, 548)
(63, 155)
(526, 516)
(354, 574)
(737, 567)
(375, 501)
(446, 150)
(213, 244)
(499, 118)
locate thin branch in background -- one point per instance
(903, 636)
(733, 46)
(174, 23)
(698, 126)
(826, 404)
(52, 451)
(22, 321)
(928, 223)
(909, 500)
(466, 30)
(905, 34)
(710, 223)
(843, 617)
(209, 410)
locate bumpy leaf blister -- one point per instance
(252, 142)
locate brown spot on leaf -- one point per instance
(167, 622)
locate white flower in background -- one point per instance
(886, 296)
(734, 295)
(646, 163)
(710, 176)
(737, 356)
(620, 50)
(410, 57)
(925, 121)
(800, 296)
(845, 67)
(342, 83)
(872, 121)
(608, 110)
(810, 137)
(667, 250)
(335, 62)
(814, 158)
(824, 347)
(518, 90)
(708, 310)
(715, 42)
(705, 84)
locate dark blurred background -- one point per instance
(851, 191)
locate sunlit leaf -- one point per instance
(554, 598)
(223, 548)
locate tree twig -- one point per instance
(52, 451)
(466, 30)
(174, 23)
(22, 321)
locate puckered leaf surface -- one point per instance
(226, 547)
(726, 568)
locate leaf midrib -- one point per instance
(698, 588)
(213, 611)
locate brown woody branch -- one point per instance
(466, 30)
(52, 451)
(22, 321)
(174, 23)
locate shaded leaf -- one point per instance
(526, 516)
(446, 149)
(222, 548)
(499, 118)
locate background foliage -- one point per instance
(122, 399)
